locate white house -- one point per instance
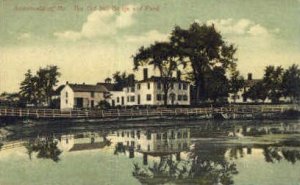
(81, 95)
(149, 91)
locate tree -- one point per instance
(37, 89)
(27, 89)
(291, 82)
(47, 79)
(236, 82)
(257, 92)
(201, 48)
(273, 82)
(162, 56)
(123, 80)
(217, 85)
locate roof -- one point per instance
(108, 86)
(159, 79)
(57, 91)
(83, 88)
(88, 146)
(87, 88)
(250, 83)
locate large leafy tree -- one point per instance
(162, 56)
(28, 88)
(123, 80)
(38, 88)
(273, 82)
(257, 92)
(217, 86)
(47, 78)
(291, 82)
(236, 82)
(202, 49)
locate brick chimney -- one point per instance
(249, 76)
(145, 73)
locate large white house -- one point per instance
(149, 91)
(81, 95)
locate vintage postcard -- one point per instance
(129, 92)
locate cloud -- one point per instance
(101, 23)
(240, 27)
(24, 36)
(148, 37)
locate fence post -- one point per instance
(5, 112)
(20, 112)
(102, 113)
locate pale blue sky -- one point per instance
(90, 45)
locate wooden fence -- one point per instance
(117, 113)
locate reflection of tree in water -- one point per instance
(46, 148)
(287, 149)
(206, 165)
(119, 148)
(236, 151)
(273, 154)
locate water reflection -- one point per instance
(45, 148)
(205, 154)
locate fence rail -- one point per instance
(116, 113)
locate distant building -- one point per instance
(80, 95)
(149, 91)
(240, 98)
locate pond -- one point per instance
(161, 152)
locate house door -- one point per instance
(122, 101)
(139, 99)
(92, 103)
(79, 102)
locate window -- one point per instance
(184, 86)
(66, 101)
(179, 85)
(185, 98)
(158, 97)
(179, 97)
(92, 94)
(158, 85)
(172, 86)
(132, 89)
(148, 84)
(127, 98)
(118, 99)
(132, 98)
(66, 94)
(148, 97)
(138, 86)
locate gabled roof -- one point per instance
(82, 88)
(160, 79)
(108, 86)
(87, 88)
(57, 91)
(88, 146)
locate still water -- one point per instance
(198, 152)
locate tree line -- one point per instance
(37, 89)
(203, 58)
(276, 83)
